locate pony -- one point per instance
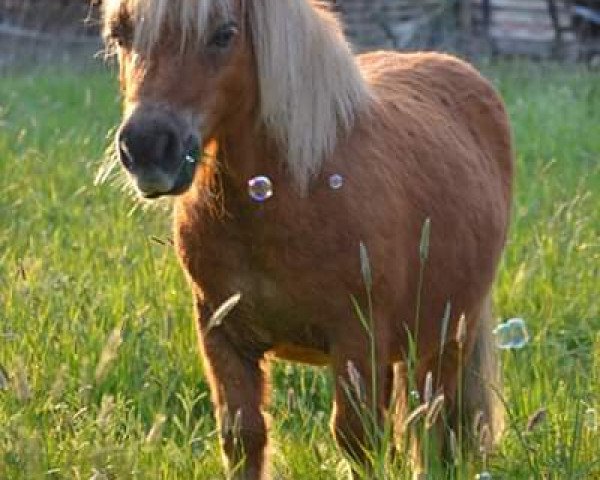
(408, 155)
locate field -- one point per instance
(99, 373)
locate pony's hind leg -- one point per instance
(237, 384)
(362, 397)
(466, 373)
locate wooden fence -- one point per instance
(524, 26)
(508, 26)
(391, 23)
(503, 26)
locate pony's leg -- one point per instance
(451, 369)
(237, 384)
(357, 423)
(436, 433)
(470, 379)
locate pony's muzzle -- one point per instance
(152, 146)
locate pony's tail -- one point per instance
(482, 385)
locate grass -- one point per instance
(99, 374)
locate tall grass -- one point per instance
(99, 375)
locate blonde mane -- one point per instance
(310, 85)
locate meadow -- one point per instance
(99, 372)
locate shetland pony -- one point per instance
(271, 88)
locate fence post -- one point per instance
(487, 16)
(466, 18)
(465, 27)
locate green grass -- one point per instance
(76, 263)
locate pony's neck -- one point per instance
(247, 151)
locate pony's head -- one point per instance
(183, 71)
(191, 69)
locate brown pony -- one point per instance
(358, 149)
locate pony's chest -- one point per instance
(234, 253)
(277, 310)
(279, 258)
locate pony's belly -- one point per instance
(295, 353)
(296, 333)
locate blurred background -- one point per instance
(569, 30)
(99, 372)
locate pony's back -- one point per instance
(426, 88)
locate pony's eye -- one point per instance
(224, 35)
(120, 40)
(120, 33)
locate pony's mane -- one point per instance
(310, 85)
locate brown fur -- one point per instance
(428, 139)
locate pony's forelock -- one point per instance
(192, 19)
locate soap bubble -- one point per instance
(512, 334)
(260, 188)
(336, 181)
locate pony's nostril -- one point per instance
(123, 147)
(125, 154)
(167, 146)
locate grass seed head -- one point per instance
(428, 389)
(424, 243)
(590, 419)
(317, 453)
(356, 381)
(435, 408)
(461, 331)
(415, 416)
(536, 419)
(477, 423)
(155, 432)
(291, 399)
(58, 386)
(21, 384)
(231, 424)
(453, 445)
(486, 440)
(485, 475)
(365, 267)
(420, 475)
(4, 383)
(445, 322)
(98, 475)
(109, 354)
(104, 416)
(220, 313)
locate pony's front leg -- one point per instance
(237, 382)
